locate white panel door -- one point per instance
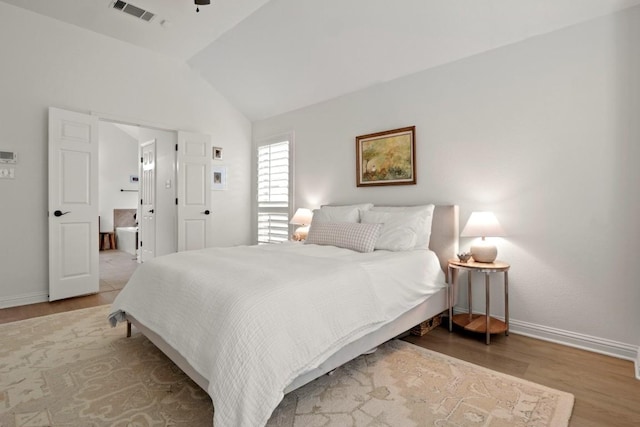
(147, 223)
(194, 190)
(73, 204)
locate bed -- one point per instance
(283, 315)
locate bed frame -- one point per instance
(443, 241)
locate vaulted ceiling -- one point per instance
(272, 56)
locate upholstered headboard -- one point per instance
(444, 233)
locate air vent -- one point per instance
(132, 10)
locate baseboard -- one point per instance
(24, 299)
(574, 339)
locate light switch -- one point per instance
(7, 173)
(167, 184)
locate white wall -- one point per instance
(544, 133)
(49, 63)
(118, 160)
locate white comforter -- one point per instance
(251, 319)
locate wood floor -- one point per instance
(605, 389)
(115, 269)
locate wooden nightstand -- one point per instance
(476, 322)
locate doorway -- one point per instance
(118, 194)
(128, 198)
(181, 212)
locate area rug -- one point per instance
(73, 369)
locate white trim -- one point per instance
(114, 118)
(24, 299)
(637, 365)
(573, 339)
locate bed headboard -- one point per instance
(444, 233)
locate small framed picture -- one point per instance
(217, 153)
(219, 178)
(133, 179)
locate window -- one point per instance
(274, 190)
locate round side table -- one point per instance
(476, 322)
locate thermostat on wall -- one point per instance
(8, 157)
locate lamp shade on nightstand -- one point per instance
(303, 218)
(483, 224)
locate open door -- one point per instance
(73, 204)
(194, 190)
(147, 223)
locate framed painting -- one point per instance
(386, 158)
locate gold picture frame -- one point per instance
(386, 158)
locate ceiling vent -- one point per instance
(132, 10)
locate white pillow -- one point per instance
(348, 235)
(425, 212)
(399, 229)
(350, 213)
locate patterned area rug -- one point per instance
(72, 369)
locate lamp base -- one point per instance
(301, 233)
(484, 252)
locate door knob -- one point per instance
(151, 210)
(207, 212)
(59, 213)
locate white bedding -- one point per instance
(250, 319)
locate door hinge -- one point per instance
(141, 160)
(176, 147)
(140, 201)
(140, 243)
(176, 200)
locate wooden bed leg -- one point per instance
(128, 329)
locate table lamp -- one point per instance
(302, 217)
(483, 224)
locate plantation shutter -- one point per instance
(273, 192)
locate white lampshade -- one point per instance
(302, 217)
(483, 224)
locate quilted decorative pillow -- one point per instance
(399, 229)
(350, 213)
(348, 235)
(425, 212)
